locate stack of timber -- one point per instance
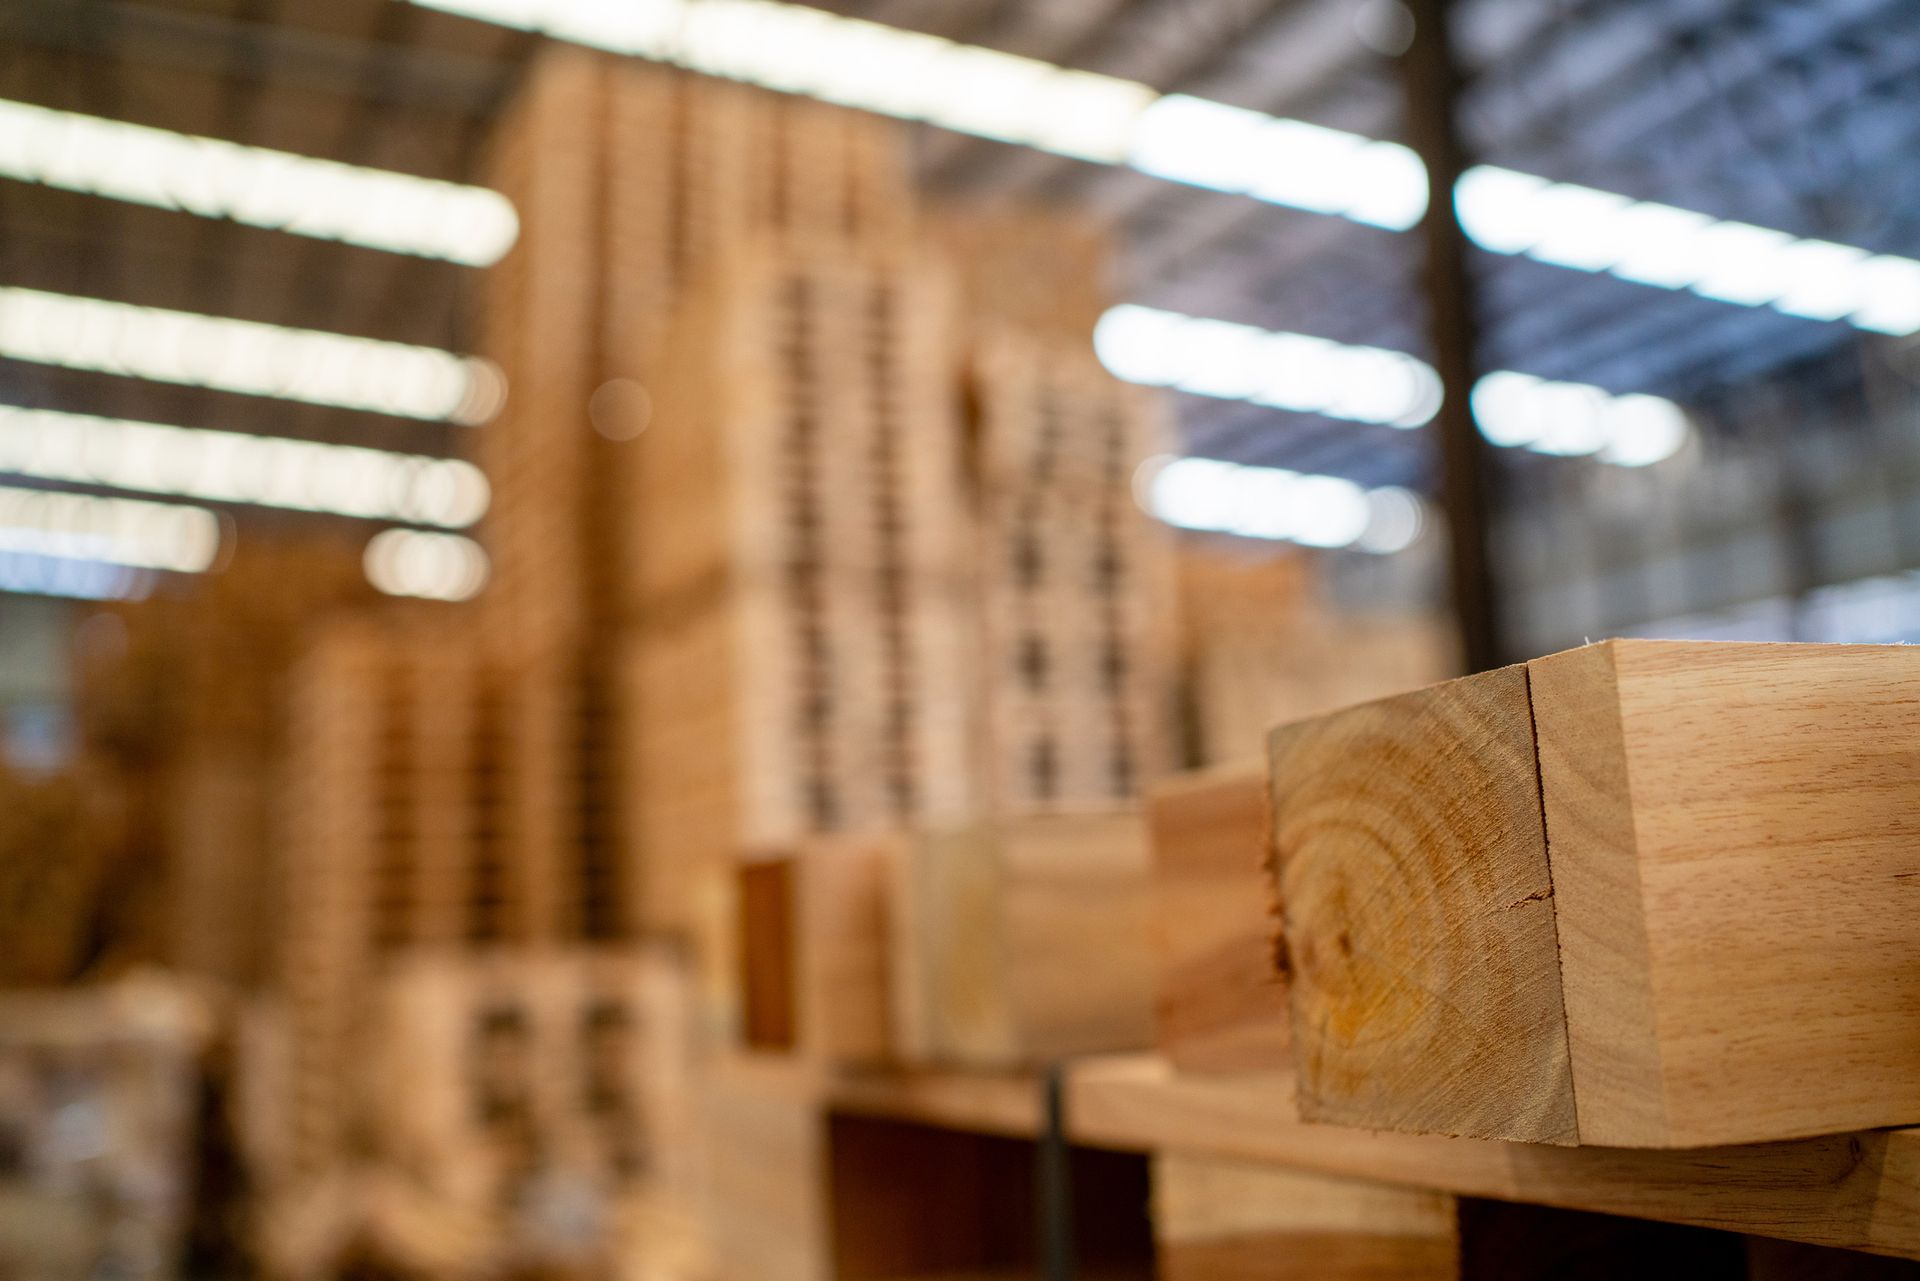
(58, 839)
(99, 1106)
(496, 1074)
(1219, 1003)
(446, 921)
(1017, 942)
(801, 650)
(407, 828)
(1641, 894)
(1075, 581)
(814, 951)
(181, 703)
(1260, 648)
(631, 183)
(1037, 271)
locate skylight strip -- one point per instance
(325, 199)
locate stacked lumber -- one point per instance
(492, 1072)
(1039, 271)
(1260, 648)
(1075, 581)
(631, 183)
(800, 552)
(1641, 894)
(98, 1103)
(1219, 1004)
(814, 951)
(181, 706)
(57, 838)
(1017, 942)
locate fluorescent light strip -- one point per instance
(1670, 248)
(1373, 385)
(373, 208)
(246, 356)
(117, 531)
(406, 562)
(1279, 370)
(38, 575)
(1272, 503)
(232, 467)
(797, 49)
(1573, 419)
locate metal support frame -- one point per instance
(1431, 76)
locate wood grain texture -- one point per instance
(1219, 1004)
(1018, 942)
(1735, 851)
(1855, 1191)
(1412, 874)
(814, 973)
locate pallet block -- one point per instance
(1685, 925)
(813, 938)
(1219, 1004)
(1217, 1219)
(1023, 941)
(487, 1067)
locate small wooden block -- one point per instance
(1023, 941)
(1220, 1005)
(1412, 872)
(1216, 1219)
(814, 951)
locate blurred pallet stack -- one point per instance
(631, 183)
(543, 1092)
(182, 714)
(1076, 580)
(1260, 646)
(430, 854)
(98, 1104)
(802, 594)
(58, 843)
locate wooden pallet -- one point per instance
(1038, 271)
(181, 703)
(801, 602)
(1076, 585)
(1258, 648)
(633, 184)
(490, 1065)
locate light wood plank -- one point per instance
(1220, 1004)
(1857, 1191)
(1020, 942)
(1735, 849)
